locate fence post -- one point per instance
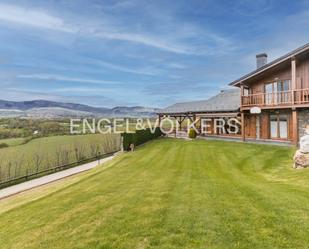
(121, 143)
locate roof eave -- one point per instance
(197, 112)
(271, 65)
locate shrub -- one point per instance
(139, 137)
(3, 145)
(192, 133)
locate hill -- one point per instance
(52, 109)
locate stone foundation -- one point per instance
(301, 160)
(303, 121)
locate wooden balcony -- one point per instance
(276, 99)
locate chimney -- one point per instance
(261, 60)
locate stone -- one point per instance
(301, 160)
(304, 144)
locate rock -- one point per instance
(301, 160)
(304, 144)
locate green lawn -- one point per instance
(12, 141)
(170, 194)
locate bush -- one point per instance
(139, 137)
(3, 145)
(192, 133)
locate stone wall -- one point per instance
(303, 121)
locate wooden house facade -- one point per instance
(280, 90)
(273, 102)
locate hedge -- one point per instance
(139, 137)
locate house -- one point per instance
(281, 90)
(273, 100)
(224, 105)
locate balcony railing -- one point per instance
(283, 98)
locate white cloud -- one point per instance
(147, 40)
(83, 90)
(65, 78)
(34, 18)
(41, 19)
(144, 71)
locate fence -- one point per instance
(33, 175)
(48, 155)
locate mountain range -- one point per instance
(52, 109)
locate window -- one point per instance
(277, 92)
(283, 91)
(283, 85)
(247, 91)
(279, 126)
(269, 89)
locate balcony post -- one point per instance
(241, 94)
(293, 79)
(243, 126)
(295, 127)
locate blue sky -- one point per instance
(139, 52)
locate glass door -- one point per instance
(279, 126)
(283, 127)
(269, 93)
(277, 92)
(273, 126)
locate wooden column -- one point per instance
(293, 78)
(241, 94)
(180, 123)
(159, 124)
(295, 127)
(243, 134)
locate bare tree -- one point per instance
(18, 162)
(37, 159)
(94, 149)
(79, 151)
(58, 156)
(9, 171)
(0, 173)
(65, 156)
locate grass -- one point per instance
(170, 194)
(48, 152)
(13, 141)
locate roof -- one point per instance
(225, 101)
(272, 64)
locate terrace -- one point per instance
(280, 98)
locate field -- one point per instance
(169, 194)
(48, 152)
(13, 141)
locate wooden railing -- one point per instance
(301, 96)
(283, 98)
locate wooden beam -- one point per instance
(218, 114)
(243, 134)
(293, 76)
(191, 118)
(159, 121)
(181, 119)
(295, 127)
(241, 94)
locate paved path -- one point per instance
(6, 192)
